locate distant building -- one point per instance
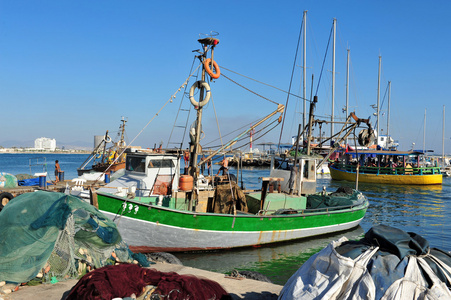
(45, 144)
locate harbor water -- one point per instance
(424, 210)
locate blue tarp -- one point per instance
(28, 182)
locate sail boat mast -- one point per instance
(378, 97)
(195, 146)
(443, 138)
(388, 115)
(304, 86)
(347, 86)
(333, 78)
(424, 132)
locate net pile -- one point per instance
(7, 180)
(48, 236)
(340, 198)
(229, 197)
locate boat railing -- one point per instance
(324, 210)
(389, 170)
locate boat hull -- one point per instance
(150, 228)
(408, 179)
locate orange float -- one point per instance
(207, 64)
(186, 183)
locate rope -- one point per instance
(279, 89)
(178, 112)
(217, 120)
(232, 132)
(255, 138)
(249, 90)
(150, 121)
(291, 80)
(324, 61)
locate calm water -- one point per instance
(423, 210)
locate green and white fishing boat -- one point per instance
(158, 209)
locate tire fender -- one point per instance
(5, 197)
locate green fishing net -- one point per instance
(7, 180)
(337, 200)
(54, 236)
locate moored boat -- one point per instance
(388, 167)
(106, 158)
(153, 213)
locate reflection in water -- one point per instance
(278, 261)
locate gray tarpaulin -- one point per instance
(387, 264)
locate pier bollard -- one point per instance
(107, 177)
(42, 181)
(61, 175)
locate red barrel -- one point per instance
(186, 183)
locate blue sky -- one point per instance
(70, 70)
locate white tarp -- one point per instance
(329, 275)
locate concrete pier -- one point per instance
(237, 288)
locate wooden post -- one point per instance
(93, 197)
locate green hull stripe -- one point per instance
(220, 222)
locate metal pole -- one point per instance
(388, 114)
(304, 93)
(443, 138)
(347, 87)
(424, 132)
(378, 97)
(333, 79)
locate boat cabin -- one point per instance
(389, 162)
(297, 179)
(147, 173)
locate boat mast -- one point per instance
(304, 86)
(424, 132)
(443, 138)
(195, 147)
(378, 98)
(122, 127)
(347, 86)
(333, 79)
(388, 115)
(310, 124)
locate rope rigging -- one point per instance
(274, 102)
(181, 102)
(324, 61)
(245, 138)
(271, 86)
(291, 80)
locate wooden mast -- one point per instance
(195, 148)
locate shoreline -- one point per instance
(48, 152)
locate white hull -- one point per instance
(141, 234)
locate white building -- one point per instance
(45, 144)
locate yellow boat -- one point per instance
(388, 167)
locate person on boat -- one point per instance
(209, 167)
(186, 159)
(224, 167)
(57, 171)
(202, 166)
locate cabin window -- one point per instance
(161, 163)
(136, 164)
(282, 165)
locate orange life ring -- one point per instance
(207, 63)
